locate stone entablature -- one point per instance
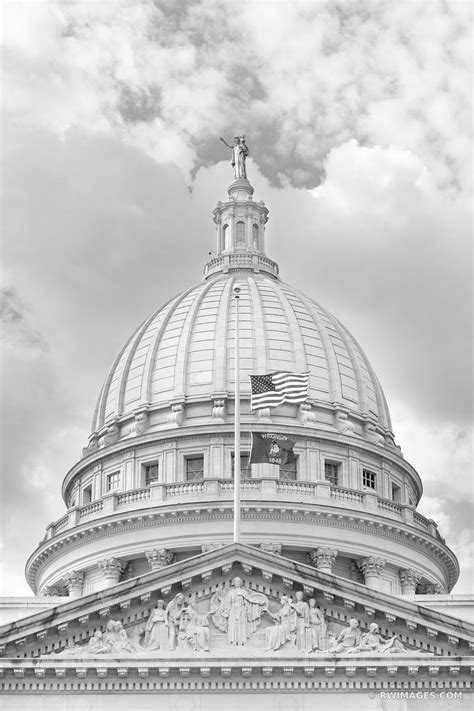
(294, 524)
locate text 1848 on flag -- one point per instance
(276, 388)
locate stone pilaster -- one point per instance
(74, 581)
(159, 558)
(409, 579)
(372, 567)
(274, 548)
(323, 559)
(111, 570)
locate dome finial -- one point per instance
(240, 152)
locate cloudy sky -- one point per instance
(357, 115)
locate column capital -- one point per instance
(74, 581)
(110, 567)
(323, 558)
(372, 565)
(159, 558)
(409, 579)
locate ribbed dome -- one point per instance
(185, 350)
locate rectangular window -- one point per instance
(245, 467)
(289, 471)
(368, 479)
(331, 472)
(87, 494)
(396, 493)
(194, 468)
(112, 481)
(151, 473)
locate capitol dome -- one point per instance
(185, 351)
(155, 482)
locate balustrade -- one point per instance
(317, 493)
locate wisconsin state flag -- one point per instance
(271, 448)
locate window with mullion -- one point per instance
(331, 472)
(289, 471)
(151, 473)
(194, 468)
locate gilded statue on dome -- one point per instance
(240, 152)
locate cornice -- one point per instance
(425, 675)
(397, 532)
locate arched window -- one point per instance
(240, 234)
(226, 236)
(255, 244)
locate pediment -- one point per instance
(74, 630)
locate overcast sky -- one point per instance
(357, 116)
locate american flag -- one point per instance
(276, 388)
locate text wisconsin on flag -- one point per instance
(276, 388)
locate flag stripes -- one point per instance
(276, 388)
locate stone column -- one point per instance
(159, 558)
(74, 581)
(111, 570)
(372, 567)
(409, 579)
(323, 559)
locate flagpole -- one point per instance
(237, 423)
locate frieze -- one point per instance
(236, 621)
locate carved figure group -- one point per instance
(299, 622)
(352, 641)
(237, 611)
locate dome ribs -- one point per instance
(301, 361)
(138, 343)
(150, 360)
(261, 355)
(180, 370)
(335, 389)
(220, 344)
(106, 388)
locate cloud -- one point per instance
(301, 78)
(356, 116)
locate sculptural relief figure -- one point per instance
(347, 639)
(240, 152)
(174, 610)
(196, 627)
(116, 640)
(284, 628)
(96, 644)
(316, 631)
(157, 628)
(237, 611)
(301, 609)
(372, 641)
